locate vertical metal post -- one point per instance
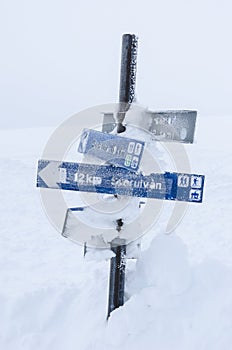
(117, 278)
(126, 96)
(127, 76)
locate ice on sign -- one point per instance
(173, 125)
(117, 180)
(165, 126)
(114, 149)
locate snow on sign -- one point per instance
(115, 180)
(116, 150)
(178, 126)
(173, 125)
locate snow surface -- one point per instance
(179, 292)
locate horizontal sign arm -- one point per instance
(114, 180)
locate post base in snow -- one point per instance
(117, 277)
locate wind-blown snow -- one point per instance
(179, 293)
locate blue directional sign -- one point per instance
(119, 181)
(120, 151)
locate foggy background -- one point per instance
(58, 57)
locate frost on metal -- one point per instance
(128, 68)
(172, 125)
(127, 77)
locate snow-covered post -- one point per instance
(127, 76)
(117, 276)
(126, 97)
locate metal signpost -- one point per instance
(126, 97)
(116, 168)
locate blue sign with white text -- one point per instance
(117, 150)
(119, 181)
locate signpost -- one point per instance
(126, 97)
(120, 173)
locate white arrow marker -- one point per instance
(52, 174)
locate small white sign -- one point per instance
(135, 162)
(183, 180)
(131, 147)
(196, 181)
(62, 175)
(195, 195)
(138, 149)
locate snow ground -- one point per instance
(180, 291)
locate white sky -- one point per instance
(58, 57)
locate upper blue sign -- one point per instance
(113, 180)
(114, 149)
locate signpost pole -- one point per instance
(127, 77)
(126, 97)
(117, 278)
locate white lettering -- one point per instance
(86, 179)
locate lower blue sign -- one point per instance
(119, 181)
